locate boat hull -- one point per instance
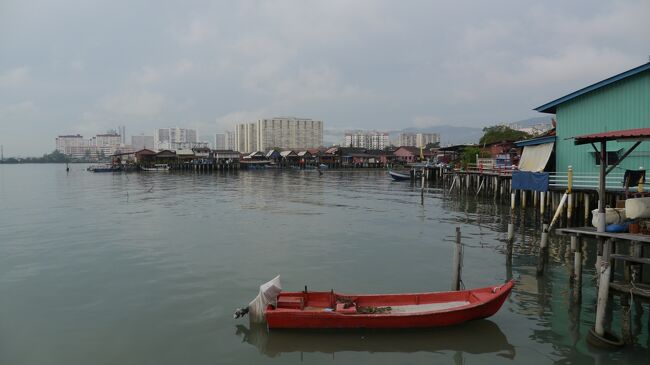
(480, 303)
(399, 177)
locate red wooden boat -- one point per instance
(333, 310)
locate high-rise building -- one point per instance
(371, 140)
(246, 137)
(423, 139)
(141, 142)
(71, 140)
(174, 138)
(407, 140)
(107, 143)
(220, 141)
(418, 139)
(231, 141)
(283, 132)
(76, 147)
(121, 130)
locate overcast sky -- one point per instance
(87, 66)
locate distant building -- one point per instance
(407, 140)
(246, 137)
(418, 139)
(371, 140)
(220, 141)
(172, 138)
(64, 141)
(423, 139)
(107, 143)
(141, 142)
(231, 141)
(283, 132)
(121, 130)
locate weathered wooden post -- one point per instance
(603, 290)
(543, 247)
(577, 270)
(458, 262)
(586, 204)
(422, 190)
(569, 190)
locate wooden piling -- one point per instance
(577, 268)
(603, 290)
(458, 262)
(543, 249)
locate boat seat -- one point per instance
(340, 308)
(291, 303)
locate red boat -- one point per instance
(333, 310)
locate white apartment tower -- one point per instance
(220, 141)
(283, 132)
(231, 141)
(418, 139)
(76, 140)
(371, 140)
(423, 139)
(173, 138)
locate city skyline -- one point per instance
(412, 65)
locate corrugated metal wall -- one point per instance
(622, 105)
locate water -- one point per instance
(148, 268)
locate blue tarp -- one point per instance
(525, 180)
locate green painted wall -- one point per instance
(622, 105)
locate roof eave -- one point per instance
(551, 107)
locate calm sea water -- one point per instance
(148, 268)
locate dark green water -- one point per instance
(148, 268)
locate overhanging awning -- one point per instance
(535, 158)
(639, 134)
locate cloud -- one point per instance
(18, 110)
(15, 77)
(134, 103)
(426, 121)
(197, 32)
(371, 64)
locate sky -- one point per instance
(70, 67)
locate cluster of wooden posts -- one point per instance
(205, 167)
(570, 211)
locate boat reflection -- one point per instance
(475, 337)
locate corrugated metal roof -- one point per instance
(535, 141)
(629, 134)
(551, 107)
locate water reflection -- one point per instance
(478, 337)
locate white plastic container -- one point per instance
(637, 208)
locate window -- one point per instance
(612, 157)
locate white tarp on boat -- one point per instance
(268, 295)
(535, 158)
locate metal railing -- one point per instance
(590, 181)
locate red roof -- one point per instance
(629, 134)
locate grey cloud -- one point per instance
(88, 66)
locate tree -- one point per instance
(432, 145)
(469, 155)
(500, 133)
